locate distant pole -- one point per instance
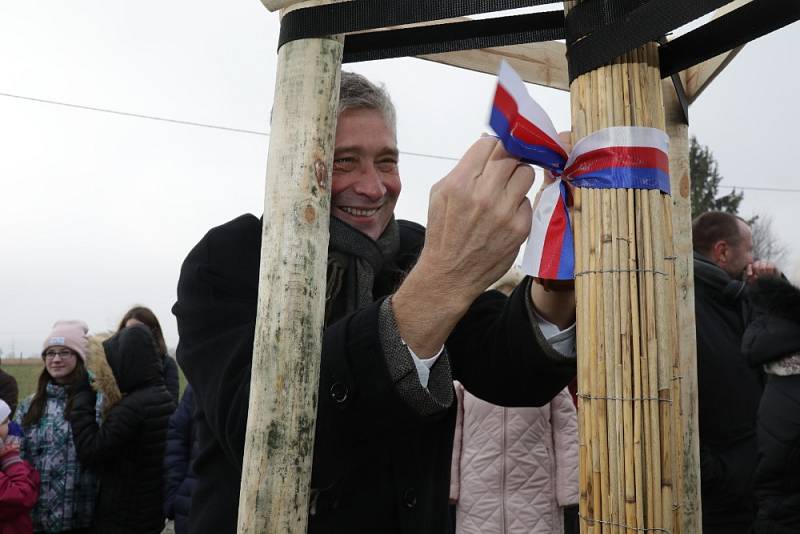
(279, 445)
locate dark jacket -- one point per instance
(127, 449)
(182, 449)
(382, 443)
(171, 379)
(729, 391)
(772, 336)
(9, 391)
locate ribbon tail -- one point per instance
(550, 252)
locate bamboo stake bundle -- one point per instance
(631, 431)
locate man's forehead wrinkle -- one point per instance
(361, 148)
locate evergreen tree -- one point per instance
(705, 182)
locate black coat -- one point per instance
(171, 379)
(127, 449)
(182, 449)
(729, 391)
(773, 335)
(9, 391)
(379, 465)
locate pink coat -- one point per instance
(514, 468)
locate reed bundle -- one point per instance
(630, 424)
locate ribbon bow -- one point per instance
(620, 157)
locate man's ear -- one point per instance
(719, 252)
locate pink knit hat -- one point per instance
(70, 334)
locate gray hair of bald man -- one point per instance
(357, 92)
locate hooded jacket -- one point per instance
(127, 450)
(514, 469)
(772, 339)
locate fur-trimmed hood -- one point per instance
(103, 380)
(774, 332)
(124, 362)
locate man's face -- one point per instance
(736, 258)
(366, 180)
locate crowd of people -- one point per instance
(443, 403)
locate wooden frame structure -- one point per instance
(280, 430)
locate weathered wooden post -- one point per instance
(630, 429)
(285, 374)
(678, 131)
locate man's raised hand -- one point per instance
(478, 217)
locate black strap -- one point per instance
(359, 15)
(589, 15)
(597, 31)
(450, 37)
(736, 28)
(643, 24)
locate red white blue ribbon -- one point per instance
(523, 126)
(624, 157)
(550, 252)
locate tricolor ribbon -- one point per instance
(621, 157)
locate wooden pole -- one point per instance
(678, 132)
(631, 428)
(279, 445)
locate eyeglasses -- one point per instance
(63, 354)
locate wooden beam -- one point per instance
(279, 442)
(680, 184)
(696, 79)
(538, 63)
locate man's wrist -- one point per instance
(426, 309)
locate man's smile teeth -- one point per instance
(358, 212)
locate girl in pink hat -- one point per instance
(68, 491)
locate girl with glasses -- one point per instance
(68, 491)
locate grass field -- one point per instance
(27, 372)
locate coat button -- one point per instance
(339, 392)
(410, 498)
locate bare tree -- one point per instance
(766, 245)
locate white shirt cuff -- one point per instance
(562, 340)
(424, 365)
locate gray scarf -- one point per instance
(354, 260)
(710, 273)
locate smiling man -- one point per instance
(406, 312)
(366, 177)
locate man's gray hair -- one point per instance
(357, 92)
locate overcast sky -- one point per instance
(97, 211)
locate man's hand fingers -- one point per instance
(474, 160)
(497, 172)
(764, 268)
(523, 218)
(520, 183)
